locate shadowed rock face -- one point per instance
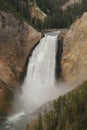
(58, 69)
(74, 59)
(16, 40)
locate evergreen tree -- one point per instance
(70, 111)
(40, 123)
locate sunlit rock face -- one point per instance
(16, 40)
(74, 58)
(37, 13)
(70, 3)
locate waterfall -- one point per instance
(39, 83)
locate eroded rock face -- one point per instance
(74, 59)
(37, 13)
(70, 3)
(16, 40)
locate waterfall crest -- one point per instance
(39, 82)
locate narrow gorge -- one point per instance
(41, 73)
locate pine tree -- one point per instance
(40, 123)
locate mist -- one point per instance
(36, 94)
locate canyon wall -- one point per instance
(17, 38)
(74, 58)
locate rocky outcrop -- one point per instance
(70, 3)
(37, 13)
(34, 11)
(32, 125)
(74, 58)
(16, 41)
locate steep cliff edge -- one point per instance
(70, 3)
(37, 13)
(74, 59)
(16, 40)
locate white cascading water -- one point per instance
(39, 82)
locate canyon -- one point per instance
(18, 39)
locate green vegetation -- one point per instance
(69, 113)
(20, 9)
(39, 126)
(56, 17)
